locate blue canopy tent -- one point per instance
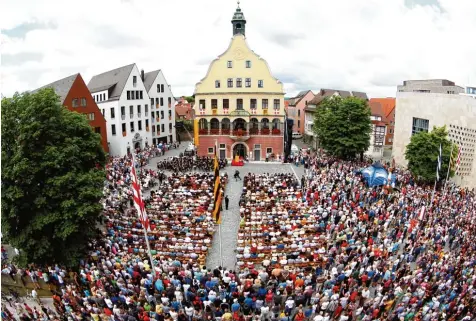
(376, 175)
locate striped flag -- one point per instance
(138, 201)
(439, 159)
(438, 168)
(217, 208)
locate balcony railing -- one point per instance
(240, 132)
(124, 134)
(147, 128)
(139, 114)
(170, 105)
(265, 131)
(131, 116)
(170, 117)
(146, 114)
(123, 117)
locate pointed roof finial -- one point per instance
(238, 2)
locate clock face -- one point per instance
(239, 54)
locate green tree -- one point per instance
(343, 126)
(52, 178)
(422, 154)
(190, 99)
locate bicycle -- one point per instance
(29, 296)
(7, 298)
(15, 296)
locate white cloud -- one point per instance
(370, 45)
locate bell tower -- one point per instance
(238, 21)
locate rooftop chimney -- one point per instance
(142, 74)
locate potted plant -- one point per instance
(276, 131)
(265, 131)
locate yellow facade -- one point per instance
(239, 62)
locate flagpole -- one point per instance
(438, 166)
(221, 246)
(144, 228)
(219, 225)
(449, 166)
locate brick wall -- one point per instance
(274, 142)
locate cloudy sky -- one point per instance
(366, 45)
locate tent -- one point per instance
(376, 175)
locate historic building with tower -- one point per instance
(239, 105)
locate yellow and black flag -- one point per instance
(216, 188)
(217, 207)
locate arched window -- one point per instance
(214, 123)
(225, 123)
(254, 123)
(265, 123)
(203, 124)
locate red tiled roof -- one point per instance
(388, 105)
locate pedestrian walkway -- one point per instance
(229, 224)
(231, 218)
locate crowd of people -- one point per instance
(327, 247)
(352, 252)
(189, 163)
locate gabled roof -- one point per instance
(360, 94)
(323, 93)
(300, 96)
(149, 78)
(376, 109)
(113, 80)
(388, 104)
(61, 87)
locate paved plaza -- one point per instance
(231, 217)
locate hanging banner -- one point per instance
(195, 133)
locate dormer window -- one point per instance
(229, 64)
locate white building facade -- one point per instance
(422, 111)
(134, 119)
(162, 112)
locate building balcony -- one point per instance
(170, 105)
(139, 115)
(131, 116)
(123, 117)
(124, 134)
(240, 135)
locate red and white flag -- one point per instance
(138, 201)
(422, 213)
